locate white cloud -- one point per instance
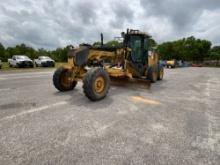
(51, 24)
(207, 26)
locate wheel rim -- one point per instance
(99, 85)
(65, 80)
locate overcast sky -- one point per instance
(56, 23)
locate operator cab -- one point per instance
(137, 42)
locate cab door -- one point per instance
(138, 53)
(13, 61)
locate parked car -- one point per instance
(44, 61)
(171, 63)
(197, 65)
(20, 61)
(0, 64)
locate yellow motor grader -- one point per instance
(97, 65)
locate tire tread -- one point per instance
(57, 81)
(88, 83)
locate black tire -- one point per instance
(89, 83)
(36, 64)
(57, 80)
(160, 72)
(152, 74)
(18, 66)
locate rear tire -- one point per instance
(59, 80)
(160, 72)
(152, 74)
(96, 84)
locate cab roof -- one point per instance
(137, 32)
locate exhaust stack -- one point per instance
(101, 39)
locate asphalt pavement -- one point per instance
(176, 121)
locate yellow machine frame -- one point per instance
(111, 62)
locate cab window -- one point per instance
(136, 51)
(145, 44)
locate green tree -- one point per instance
(21, 49)
(190, 49)
(166, 50)
(113, 43)
(97, 43)
(215, 54)
(2, 52)
(60, 54)
(152, 43)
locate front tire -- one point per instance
(152, 74)
(96, 84)
(18, 66)
(160, 72)
(61, 80)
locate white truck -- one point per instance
(20, 61)
(44, 61)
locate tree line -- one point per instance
(187, 49)
(59, 54)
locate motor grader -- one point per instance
(96, 66)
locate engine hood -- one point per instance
(47, 60)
